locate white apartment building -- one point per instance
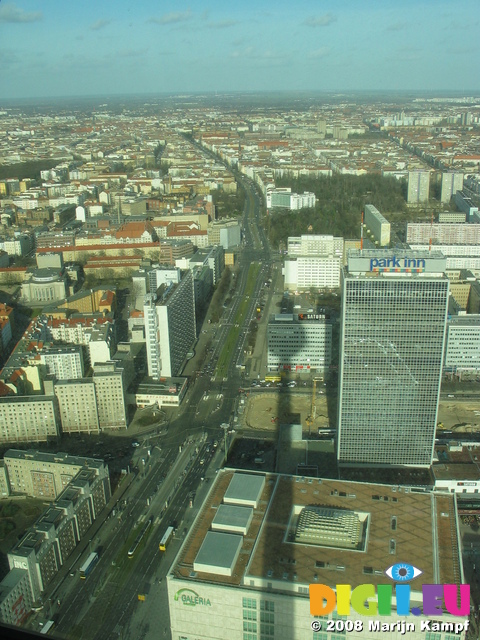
(458, 256)
(77, 402)
(305, 272)
(377, 225)
(462, 351)
(28, 418)
(65, 363)
(315, 245)
(74, 330)
(418, 187)
(452, 216)
(101, 343)
(170, 329)
(282, 197)
(110, 390)
(313, 261)
(300, 342)
(443, 233)
(451, 183)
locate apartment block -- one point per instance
(110, 389)
(443, 233)
(28, 418)
(170, 327)
(49, 542)
(451, 183)
(418, 187)
(45, 475)
(65, 363)
(377, 225)
(77, 402)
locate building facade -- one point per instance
(443, 233)
(28, 418)
(77, 403)
(45, 475)
(418, 187)
(394, 313)
(300, 342)
(462, 351)
(170, 328)
(46, 546)
(110, 390)
(377, 225)
(451, 183)
(313, 261)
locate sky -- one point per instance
(104, 47)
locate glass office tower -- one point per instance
(394, 315)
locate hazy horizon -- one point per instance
(69, 50)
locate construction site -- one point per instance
(313, 409)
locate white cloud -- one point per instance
(11, 13)
(172, 18)
(320, 21)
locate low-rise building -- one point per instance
(163, 393)
(44, 285)
(261, 542)
(462, 349)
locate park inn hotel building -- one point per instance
(394, 314)
(260, 539)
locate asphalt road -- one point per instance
(102, 606)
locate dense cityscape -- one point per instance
(240, 357)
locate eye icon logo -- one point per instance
(402, 572)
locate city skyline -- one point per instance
(60, 49)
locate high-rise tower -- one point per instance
(394, 315)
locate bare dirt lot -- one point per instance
(459, 416)
(267, 410)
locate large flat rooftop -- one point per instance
(391, 524)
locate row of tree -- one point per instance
(30, 169)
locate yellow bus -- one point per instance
(166, 539)
(273, 378)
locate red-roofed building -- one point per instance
(136, 232)
(188, 231)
